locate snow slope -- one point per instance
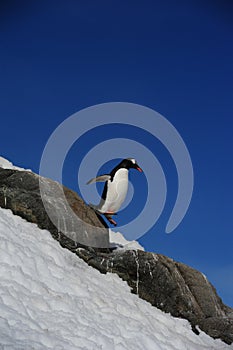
(51, 299)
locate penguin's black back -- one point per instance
(125, 163)
(104, 193)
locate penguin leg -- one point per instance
(113, 222)
(110, 219)
(108, 215)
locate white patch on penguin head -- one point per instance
(132, 160)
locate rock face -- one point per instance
(170, 286)
(28, 195)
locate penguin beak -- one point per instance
(138, 168)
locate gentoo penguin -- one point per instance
(115, 189)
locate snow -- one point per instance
(51, 299)
(118, 240)
(6, 164)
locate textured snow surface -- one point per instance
(51, 299)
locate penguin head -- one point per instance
(129, 163)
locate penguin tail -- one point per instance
(94, 207)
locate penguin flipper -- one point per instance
(101, 178)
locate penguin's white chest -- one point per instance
(116, 192)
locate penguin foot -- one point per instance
(110, 219)
(113, 222)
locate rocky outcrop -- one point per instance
(52, 206)
(170, 286)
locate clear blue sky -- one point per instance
(58, 57)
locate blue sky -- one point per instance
(58, 57)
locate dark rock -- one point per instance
(170, 286)
(23, 191)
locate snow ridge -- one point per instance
(6, 164)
